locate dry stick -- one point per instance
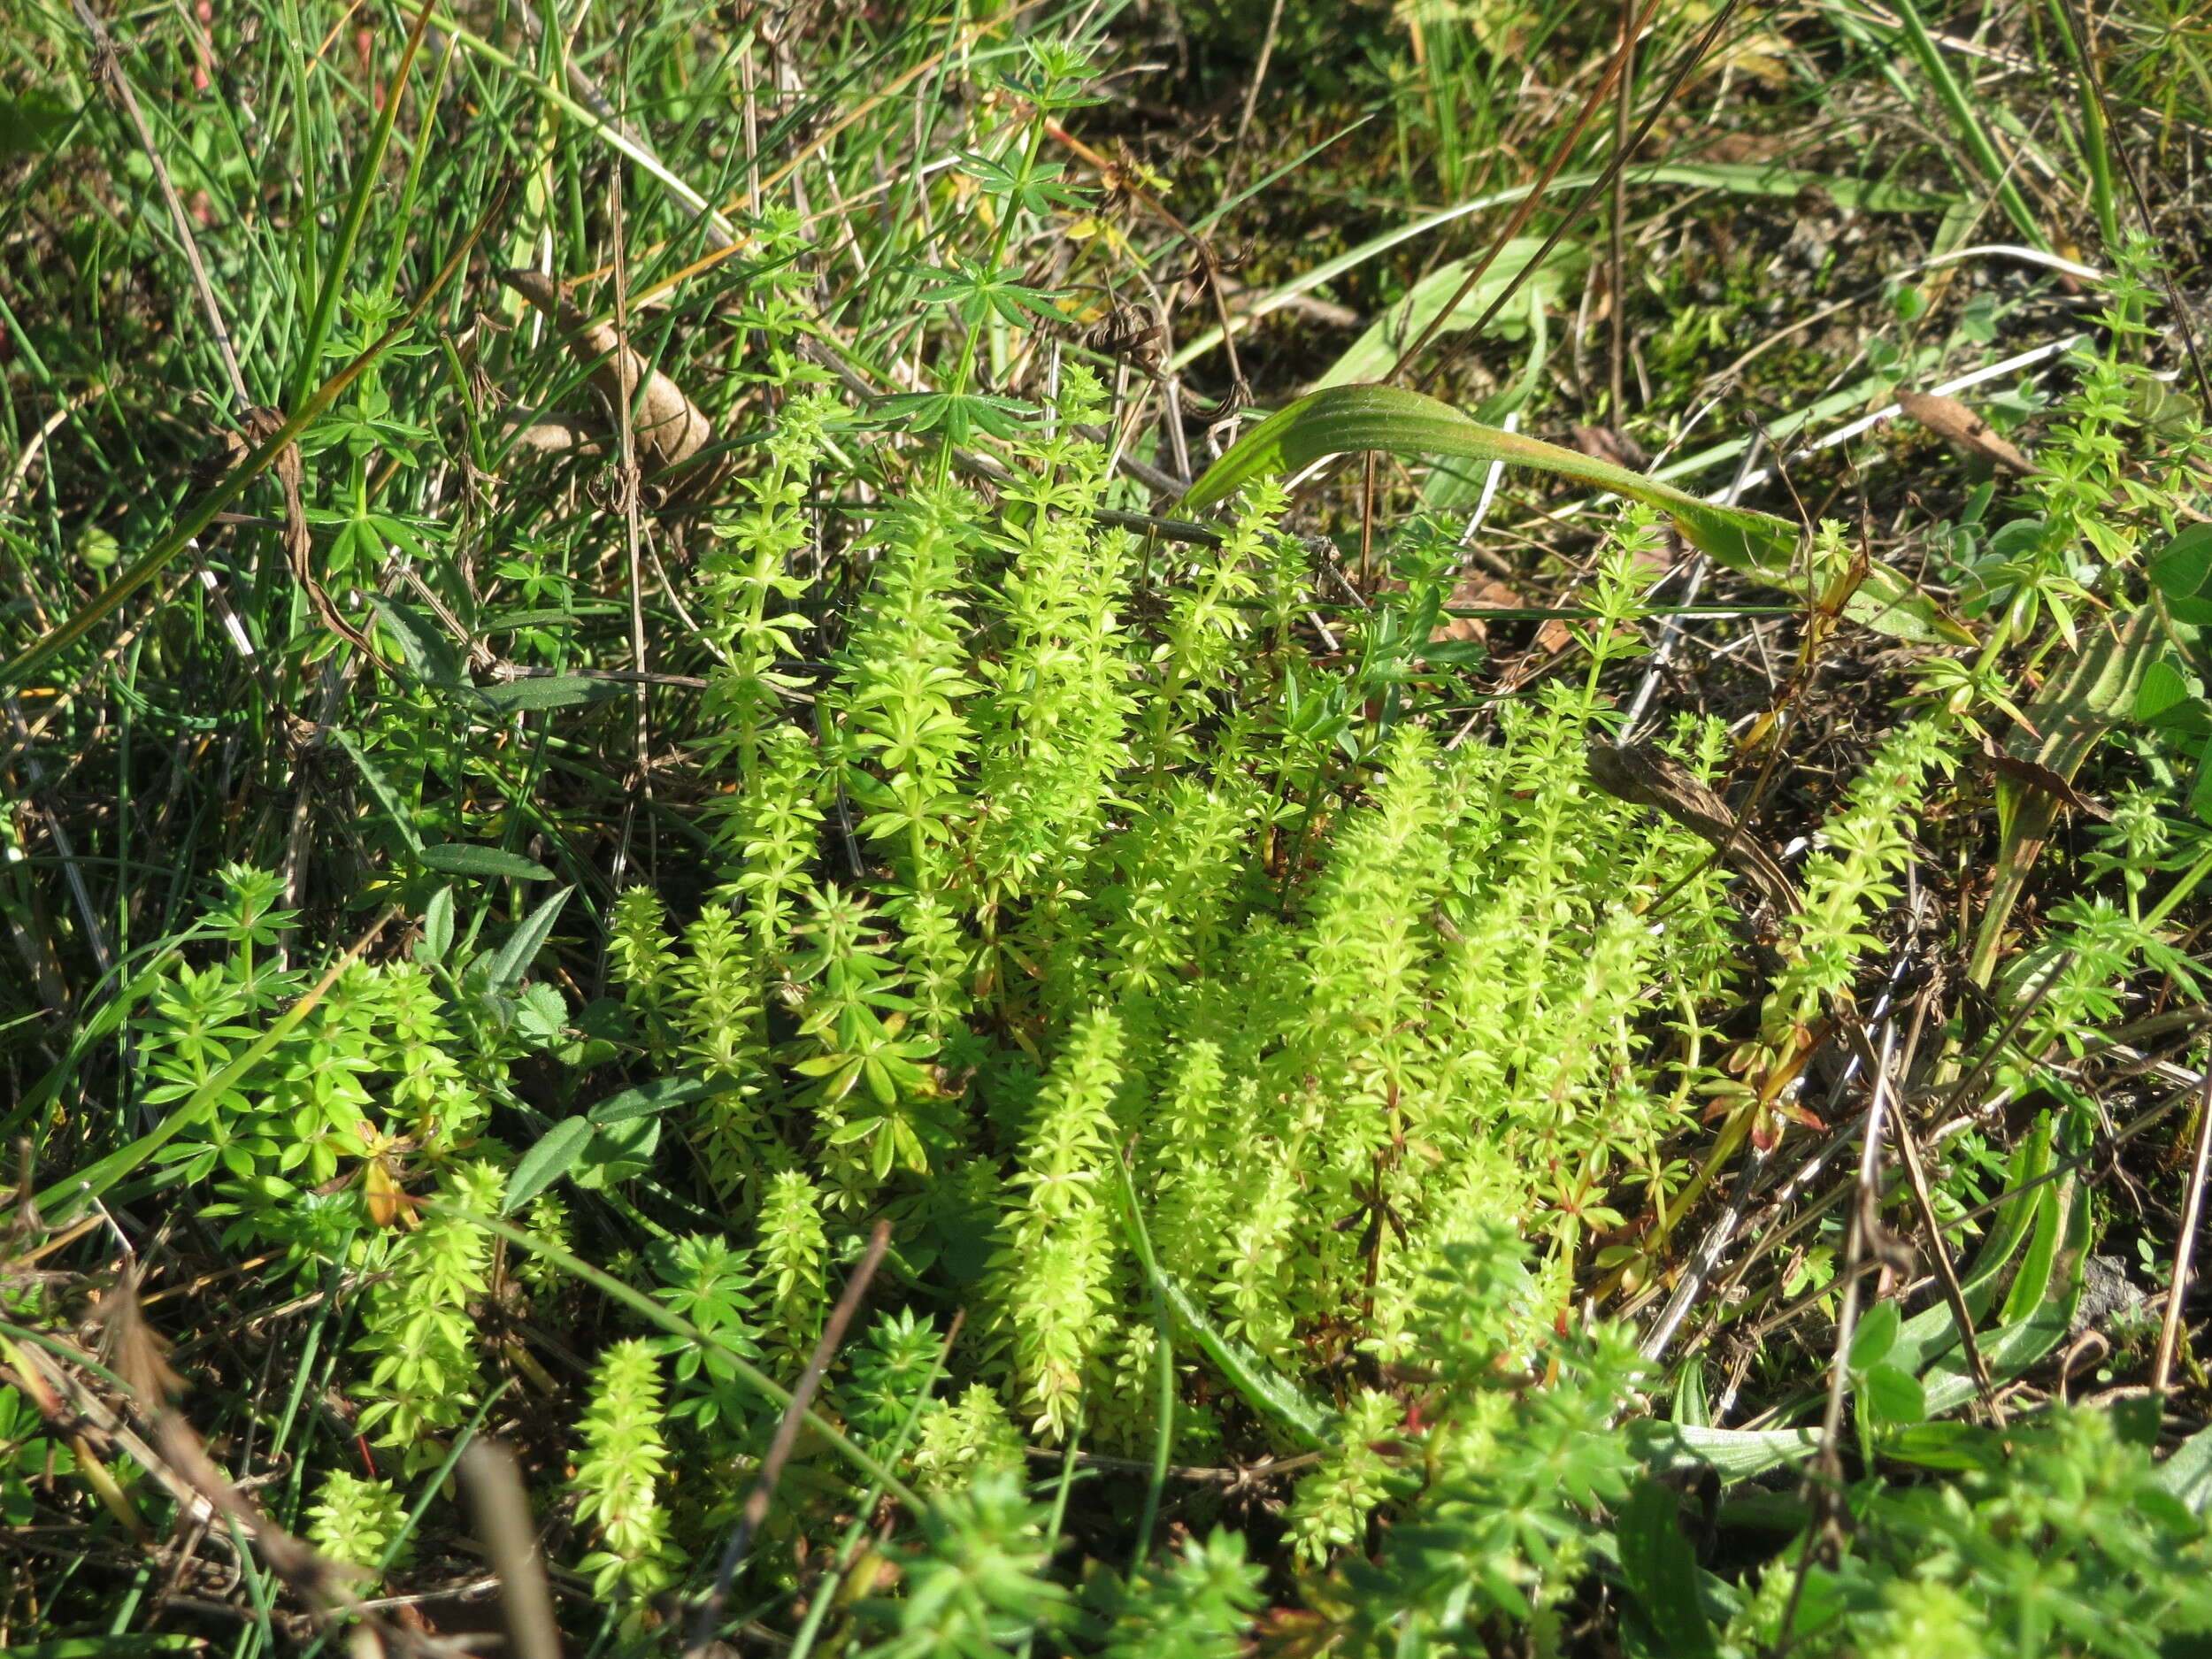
(1953, 1293)
(1830, 1463)
(1723, 1232)
(708, 1618)
(2109, 1147)
(503, 1520)
(1623, 106)
(642, 777)
(1672, 629)
(2192, 1208)
(36, 442)
(1251, 102)
(94, 934)
(122, 642)
(108, 66)
(1208, 265)
(14, 672)
(1521, 212)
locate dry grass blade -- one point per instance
(503, 1520)
(108, 69)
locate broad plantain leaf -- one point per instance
(1661, 1569)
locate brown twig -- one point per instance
(709, 1617)
(502, 1518)
(2185, 1246)
(1527, 205)
(1623, 109)
(1924, 1201)
(1580, 204)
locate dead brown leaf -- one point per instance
(564, 434)
(1645, 776)
(668, 426)
(1957, 425)
(259, 424)
(1602, 444)
(2042, 778)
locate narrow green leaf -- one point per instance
(1346, 419)
(459, 858)
(1263, 1387)
(379, 788)
(522, 947)
(1933, 1332)
(547, 691)
(2039, 1306)
(554, 1155)
(1735, 177)
(728, 1356)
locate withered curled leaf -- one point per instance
(667, 426)
(1955, 423)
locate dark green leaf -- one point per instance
(523, 945)
(2187, 1474)
(554, 1155)
(422, 643)
(1661, 1569)
(646, 1099)
(1736, 1453)
(546, 691)
(619, 1153)
(459, 858)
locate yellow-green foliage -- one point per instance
(1149, 888)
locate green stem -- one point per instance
(1977, 139)
(341, 260)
